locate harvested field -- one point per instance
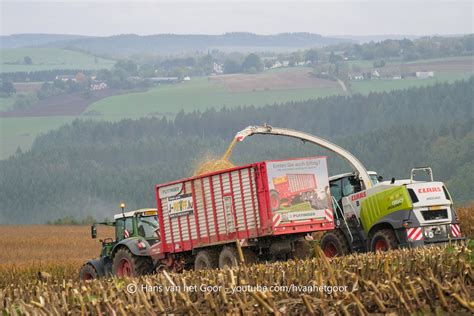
(424, 281)
(64, 105)
(279, 80)
(44, 244)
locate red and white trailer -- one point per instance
(200, 218)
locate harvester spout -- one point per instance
(269, 130)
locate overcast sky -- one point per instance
(107, 17)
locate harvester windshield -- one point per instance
(147, 226)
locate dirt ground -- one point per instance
(283, 80)
(64, 105)
(48, 243)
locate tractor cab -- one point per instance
(141, 223)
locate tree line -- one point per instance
(87, 167)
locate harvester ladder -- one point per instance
(337, 207)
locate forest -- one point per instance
(86, 168)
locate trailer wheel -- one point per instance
(228, 258)
(383, 240)
(334, 243)
(302, 250)
(126, 264)
(274, 200)
(249, 256)
(87, 272)
(205, 260)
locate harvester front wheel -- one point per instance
(383, 240)
(205, 260)
(87, 272)
(126, 264)
(334, 244)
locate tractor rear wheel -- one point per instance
(383, 240)
(87, 272)
(126, 264)
(205, 260)
(228, 258)
(334, 244)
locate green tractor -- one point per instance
(127, 255)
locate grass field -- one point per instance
(367, 86)
(6, 103)
(49, 59)
(20, 132)
(204, 93)
(197, 94)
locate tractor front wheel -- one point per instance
(126, 264)
(383, 240)
(334, 243)
(87, 272)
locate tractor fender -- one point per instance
(131, 244)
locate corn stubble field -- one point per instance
(434, 280)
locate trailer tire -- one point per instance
(249, 256)
(88, 272)
(228, 258)
(302, 250)
(383, 240)
(205, 260)
(126, 264)
(334, 244)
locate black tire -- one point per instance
(206, 260)
(334, 243)
(88, 272)
(383, 240)
(302, 250)
(250, 256)
(228, 258)
(136, 265)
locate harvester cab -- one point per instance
(128, 253)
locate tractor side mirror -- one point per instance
(93, 231)
(380, 178)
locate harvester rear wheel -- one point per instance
(126, 264)
(334, 244)
(205, 260)
(87, 272)
(383, 240)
